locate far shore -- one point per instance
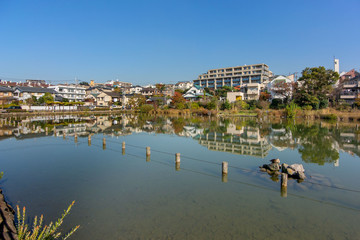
(323, 114)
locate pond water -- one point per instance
(125, 195)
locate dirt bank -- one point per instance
(7, 225)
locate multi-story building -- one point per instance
(350, 86)
(234, 76)
(71, 92)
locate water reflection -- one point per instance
(318, 143)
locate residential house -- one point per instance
(73, 93)
(169, 90)
(280, 87)
(150, 91)
(24, 93)
(6, 95)
(350, 89)
(183, 85)
(108, 98)
(234, 96)
(158, 101)
(194, 93)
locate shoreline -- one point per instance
(323, 114)
(7, 217)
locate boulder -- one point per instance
(284, 167)
(275, 160)
(297, 167)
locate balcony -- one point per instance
(350, 84)
(348, 95)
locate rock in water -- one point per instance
(297, 167)
(275, 160)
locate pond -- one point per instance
(126, 195)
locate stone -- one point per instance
(275, 160)
(284, 167)
(299, 175)
(297, 167)
(262, 169)
(274, 166)
(290, 171)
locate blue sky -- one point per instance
(169, 41)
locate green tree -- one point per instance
(226, 105)
(47, 97)
(314, 86)
(84, 83)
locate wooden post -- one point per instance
(63, 135)
(148, 158)
(89, 140)
(177, 166)
(224, 178)
(123, 148)
(75, 138)
(284, 178)
(148, 151)
(225, 168)
(104, 143)
(177, 157)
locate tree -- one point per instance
(47, 97)
(178, 101)
(315, 85)
(282, 90)
(226, 105)
(84, 83)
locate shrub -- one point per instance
(39, 231)
(277, 104)
(226, 105)
(330, 117)
(307, 107)
(146, 108)
(291, 110)
(194, 105)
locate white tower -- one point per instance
(336, 65)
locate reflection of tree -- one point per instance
(316, 144)
(178, 125)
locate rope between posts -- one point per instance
(235, 167)
(240, 182)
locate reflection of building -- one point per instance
(249, 142)
(71, 129)
(281, 139)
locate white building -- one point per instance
(72, 92)
(183, 85)
(280, 87)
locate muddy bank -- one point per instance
(7, 225)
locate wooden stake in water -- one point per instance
(177, 166)
(148, 151)
(64, 136)
(75, 138)
(284, 178)
(177, 157)
(89, 140)
(123, 148)
(104, 143)
(225, 168)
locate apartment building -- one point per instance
(72, 92)
(234, 76)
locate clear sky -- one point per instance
(169, 41)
